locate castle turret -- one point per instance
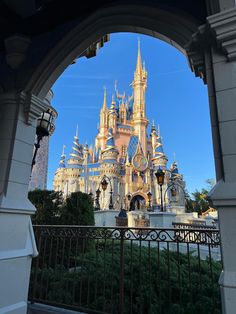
(153, 137)
(139, 85)
(110, 167)
(59, 177)
(159, 158)
(112, 116)
(76, 156)
(176, 193)
(75, 167)
(122, 112)
(101, 140)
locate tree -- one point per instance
(78, 210)
(200, 201)
(47, 204)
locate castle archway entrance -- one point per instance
(137, 202)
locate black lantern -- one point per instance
(104, 184)
(44, 123)
(149, 195)
(97, 204)
(129, 197)
(98, 192)
(43, 128)
(160, 175)
(173, 191)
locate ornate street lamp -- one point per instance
(149, 195)
(129, 196)
(97, 204)
(160, 175)
(173, 191)
(43, 128)
(104, 185)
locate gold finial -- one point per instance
(174, 157)
(139, 60)
(127, 159)
(104, 106)
(113, 99)
(115, 85)
(76, 132)
(153, 123)
(63, 150)
(158, 130)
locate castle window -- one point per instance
(122, 116)
(123, 150)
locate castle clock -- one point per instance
(140, 162)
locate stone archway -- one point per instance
(137, 202)
(210, 46)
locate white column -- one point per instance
(218, 67)
(224, 194)
(17, 245)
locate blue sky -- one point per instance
(175, 99)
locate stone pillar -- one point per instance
(212, 56)
(18, 112)
(221, 79)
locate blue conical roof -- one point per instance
(159, 147)
(77, 151)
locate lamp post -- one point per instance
(160, 175)
(43, 128)
(129, 196)
(149, 195)
(97, 204)
(104, 185)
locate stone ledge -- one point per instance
(223, 194)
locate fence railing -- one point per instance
(127, 270)
(184, 225)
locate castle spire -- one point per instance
(76, 133)
(63, 157)
(153, 129)
(158, 130)
(139, 60)
(104, 106)
(76, 155)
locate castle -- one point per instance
(125, 154)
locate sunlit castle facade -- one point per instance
(126, 153)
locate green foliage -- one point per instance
(154, 281)
(200, 201)
(47, 205)
(78, 210)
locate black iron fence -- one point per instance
(184, 225)
(127, 270)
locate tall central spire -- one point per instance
(139, 61)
